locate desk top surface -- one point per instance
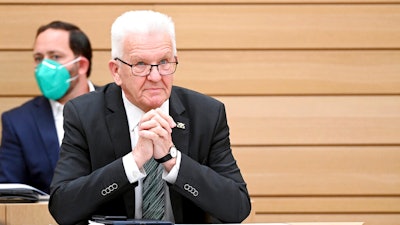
(312, 223)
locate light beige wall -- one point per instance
(312, 90)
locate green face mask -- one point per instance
(53, 78)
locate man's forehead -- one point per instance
(52, 41)
(150, 47)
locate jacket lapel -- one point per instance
(180, 134)
(118, 128)
(117, 122)
(44, 119)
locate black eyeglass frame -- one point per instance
(151, 67)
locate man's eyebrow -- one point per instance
(51, 52)
(139, 58)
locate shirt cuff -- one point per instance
(131, 169)
(173, 173)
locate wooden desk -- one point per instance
(25, 213)
(38, 214)
(324, 223)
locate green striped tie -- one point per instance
(153, 192)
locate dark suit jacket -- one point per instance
(90, 178)
(29, 148)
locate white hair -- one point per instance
(139, 22)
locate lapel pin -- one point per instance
(180, 125)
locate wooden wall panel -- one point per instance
(264, 72)
(11, 102)
(367, 218)
(2, 214)
(283, 171)
(327, 120)
(326, 204)
(311, 120)
(261, 26)
(287, 26)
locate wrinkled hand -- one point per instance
(155, 129)
(143, 151)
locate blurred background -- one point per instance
(311, 87)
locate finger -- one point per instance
(161, 132)
(166, 117)
(150, 114)
(149, 134)
(156, 128)
(156, 118)
(161, 145)
(149, 124)
(162, 122)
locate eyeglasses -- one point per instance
(141, 69)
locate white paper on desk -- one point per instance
(15, 192)
(94, 223)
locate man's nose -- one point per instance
(154, 74)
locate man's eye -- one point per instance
(140, 64)
(38, 59)
(164, 61)
(55, 57)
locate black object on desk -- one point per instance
(122, 220)
(21, 193)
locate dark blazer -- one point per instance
(29, 148)
(90, 179)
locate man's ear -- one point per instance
(83, 65)
(113, 66)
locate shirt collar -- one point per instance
(56, 107)
(91, 86)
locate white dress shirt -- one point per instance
(134, 114)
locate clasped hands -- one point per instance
(155, 140)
